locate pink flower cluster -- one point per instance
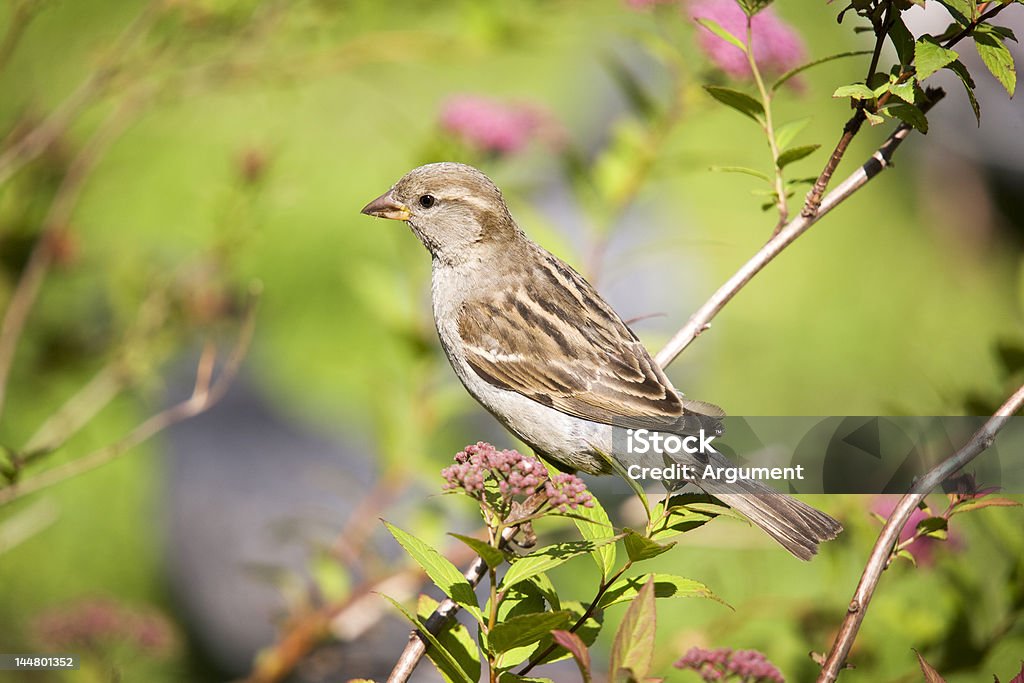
(724, 663)
(99, 623)
(516, 475)
(777, 46)
(568, 492)
(495, 127)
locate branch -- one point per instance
(890, 534)
(21, 16)
(36, 141)
(206, 391)
(701, 319)
(812, 205)
(114, 377)
(56, 220)
(442, 616)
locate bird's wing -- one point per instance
(550, 337)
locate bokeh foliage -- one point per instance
(254, 133)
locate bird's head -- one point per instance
(454, 209)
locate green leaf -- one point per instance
(453, 665)
(718, 30)
(910, 115)
(487, 552)
(857, 91)
(509, 677)
(804, 67)
(547, 589)
(743, 170)
(997, 57)
(740, 101)
(682, 515)
(526, 629)
(929, 57)
(587, 632)
(716, 507)
(1003, 32)
(795, 154)
(905, 91)
(547, 558)
(640, 548)
(980, 503)
(442, 572)
(576, 647)
(752, 7)
(963, 11)
(523, 598)
(960, 70)
(665, 586)
(594, 525)
(455, 640)
(908, 556)
(616, 467)
(633, 647)
(806, 180)
(903, 40)
(934, 527)
(787, 132)
(873, 119)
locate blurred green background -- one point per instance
(245, 136)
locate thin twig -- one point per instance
(56, 220)
(813, 202)
(78, 410)
(36, 141)
(21, 16)
(206, 391)
(591, 608)
(701, 319)
(769, 130)
(442, 616)
(890, 533)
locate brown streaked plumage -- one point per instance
(540, 349)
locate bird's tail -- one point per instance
(796, 525)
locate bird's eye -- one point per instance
(427, 201)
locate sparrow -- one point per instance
(535, 344)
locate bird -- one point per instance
(536, 345)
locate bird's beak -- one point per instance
(386, 206)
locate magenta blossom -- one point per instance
(723, 664)
(495, 127)
(99, 623)
(516, 475)
(777, 46)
